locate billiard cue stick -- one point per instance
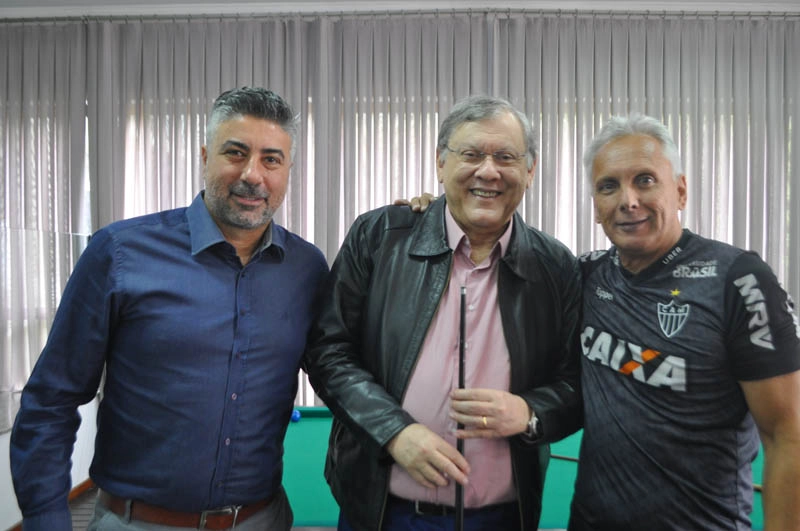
(460, 442)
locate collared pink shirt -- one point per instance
(486, 363)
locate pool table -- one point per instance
(313, 505)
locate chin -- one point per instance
(487, 218)
(628, 243)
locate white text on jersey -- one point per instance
(755, 303)
(642, 364)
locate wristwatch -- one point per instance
(534, 430)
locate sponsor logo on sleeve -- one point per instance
(790, 309)
(756, 305)
(592, 256)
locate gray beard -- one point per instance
(236, 217)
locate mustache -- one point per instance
(244, 189)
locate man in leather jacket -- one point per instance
(384, 353)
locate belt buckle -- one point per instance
(230, 509)
(441, 510)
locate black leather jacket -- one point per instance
(379, 300)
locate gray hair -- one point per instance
(477, 108)
(256, 102)
(634, 124)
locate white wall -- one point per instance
(9, 512)
(74, 8)
(81, 459)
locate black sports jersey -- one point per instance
(668, 440)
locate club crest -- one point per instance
(672, 317)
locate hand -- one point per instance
(428, 458)
(417, 204)
(488, 413)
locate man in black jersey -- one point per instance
(691, 350)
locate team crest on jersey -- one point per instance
(672, 317)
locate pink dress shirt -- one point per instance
(487, 365)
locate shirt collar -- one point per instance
(205, 233)
(455, 235)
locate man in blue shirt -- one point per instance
(199, 317)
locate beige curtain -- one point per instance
(103, 119)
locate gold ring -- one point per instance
(485, 424)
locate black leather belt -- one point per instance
(434, 509)
(424, 508)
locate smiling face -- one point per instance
(246, 172)
(637, 199)
(483, 196)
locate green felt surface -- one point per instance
(313, 505)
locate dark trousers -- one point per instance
(400, 516)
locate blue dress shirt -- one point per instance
(202, 356)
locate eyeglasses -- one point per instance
(474, 157)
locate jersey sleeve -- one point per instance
(763, 334)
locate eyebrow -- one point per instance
(234, 143)
(606, 178)
(245, 147)
(473, 147)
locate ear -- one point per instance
(439, 166)
(531, 172)
(682, 195)
(204, 154)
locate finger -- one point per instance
(475, 395)
(455, 465)
(457, 470)
(435, 473)
(420, 477)
(472, 417)
(465, 394)
(468, 408)
(470, 433)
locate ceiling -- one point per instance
(77, 8)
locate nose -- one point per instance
(251, 173)
(488, 168)
(629, 198)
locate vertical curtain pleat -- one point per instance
(787, 266)
(104, 119)
(43, 188)
(720, 192)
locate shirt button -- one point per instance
(234, 396)
(471, 307)
(228, 441)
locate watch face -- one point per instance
(533, 426)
